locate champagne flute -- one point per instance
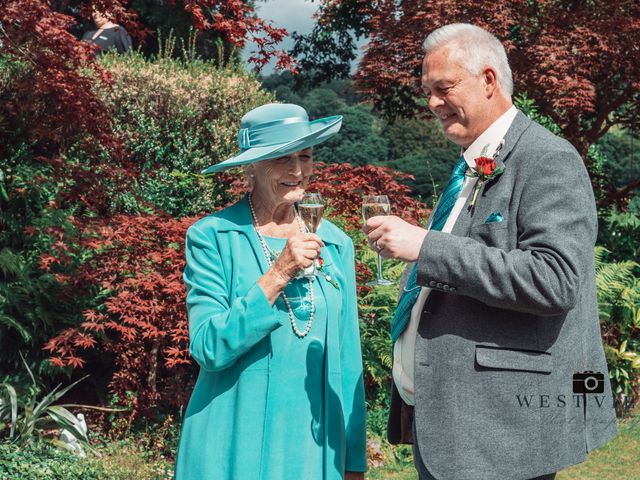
(373, 205)
(311, 210)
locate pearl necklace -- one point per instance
(267, 253)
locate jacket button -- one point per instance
(445, 287)
(452, 289)
(438, 285)
(432, 283)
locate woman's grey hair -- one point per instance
(474, 48)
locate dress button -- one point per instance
(432, 283)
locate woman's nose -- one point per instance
(295, 165)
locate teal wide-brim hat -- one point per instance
(275, 130)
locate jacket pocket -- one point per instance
(495, 234)
(511, 359)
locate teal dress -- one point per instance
(299, 366)
(267, 404)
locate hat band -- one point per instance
(273, 135)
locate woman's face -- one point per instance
(284, 179)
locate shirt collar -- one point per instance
(491, 137)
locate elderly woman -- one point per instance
(280, 392)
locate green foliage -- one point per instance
(27, 418)
(178, 116)
(620, 234)
(166, 17)
(530, 109)
(358, 142)
(376, 306)
(123, 460)
(43, 460)
(31, 310)
(420, 148)
(621, 149)
(323, 102)
(618, 287)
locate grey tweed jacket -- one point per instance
(511, 318)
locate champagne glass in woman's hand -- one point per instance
(372, 206)
(311, 210)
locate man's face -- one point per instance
(456, 97)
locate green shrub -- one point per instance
(32, 225)
(619, 309)
(177, 117)
(118, 461)
(41, 461)
(26, 417)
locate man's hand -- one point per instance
(392, 237)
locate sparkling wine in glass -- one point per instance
(311, 210)
(372, 206)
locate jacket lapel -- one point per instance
(518, 126)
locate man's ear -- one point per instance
(490, 81)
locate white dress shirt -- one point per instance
(403, 350)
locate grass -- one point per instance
(125, 461)
(143, 458)
(618, 459)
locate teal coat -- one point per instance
(230, 327)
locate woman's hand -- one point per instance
(354, 476)
(299, 252)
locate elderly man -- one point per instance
(499, 371)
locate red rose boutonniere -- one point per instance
(487, 168)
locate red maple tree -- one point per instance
(574, 58)
(136, 262)
(50, 98)
(577, 60)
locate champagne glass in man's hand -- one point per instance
(372, 206)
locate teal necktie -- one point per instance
(411, 289)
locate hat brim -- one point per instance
(322, 130)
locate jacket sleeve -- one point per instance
(352, 374)
(556, 228)
(220, 329)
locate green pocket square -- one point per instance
(494, 218)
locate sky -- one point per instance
(294, 15)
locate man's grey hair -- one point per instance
(474, 48)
